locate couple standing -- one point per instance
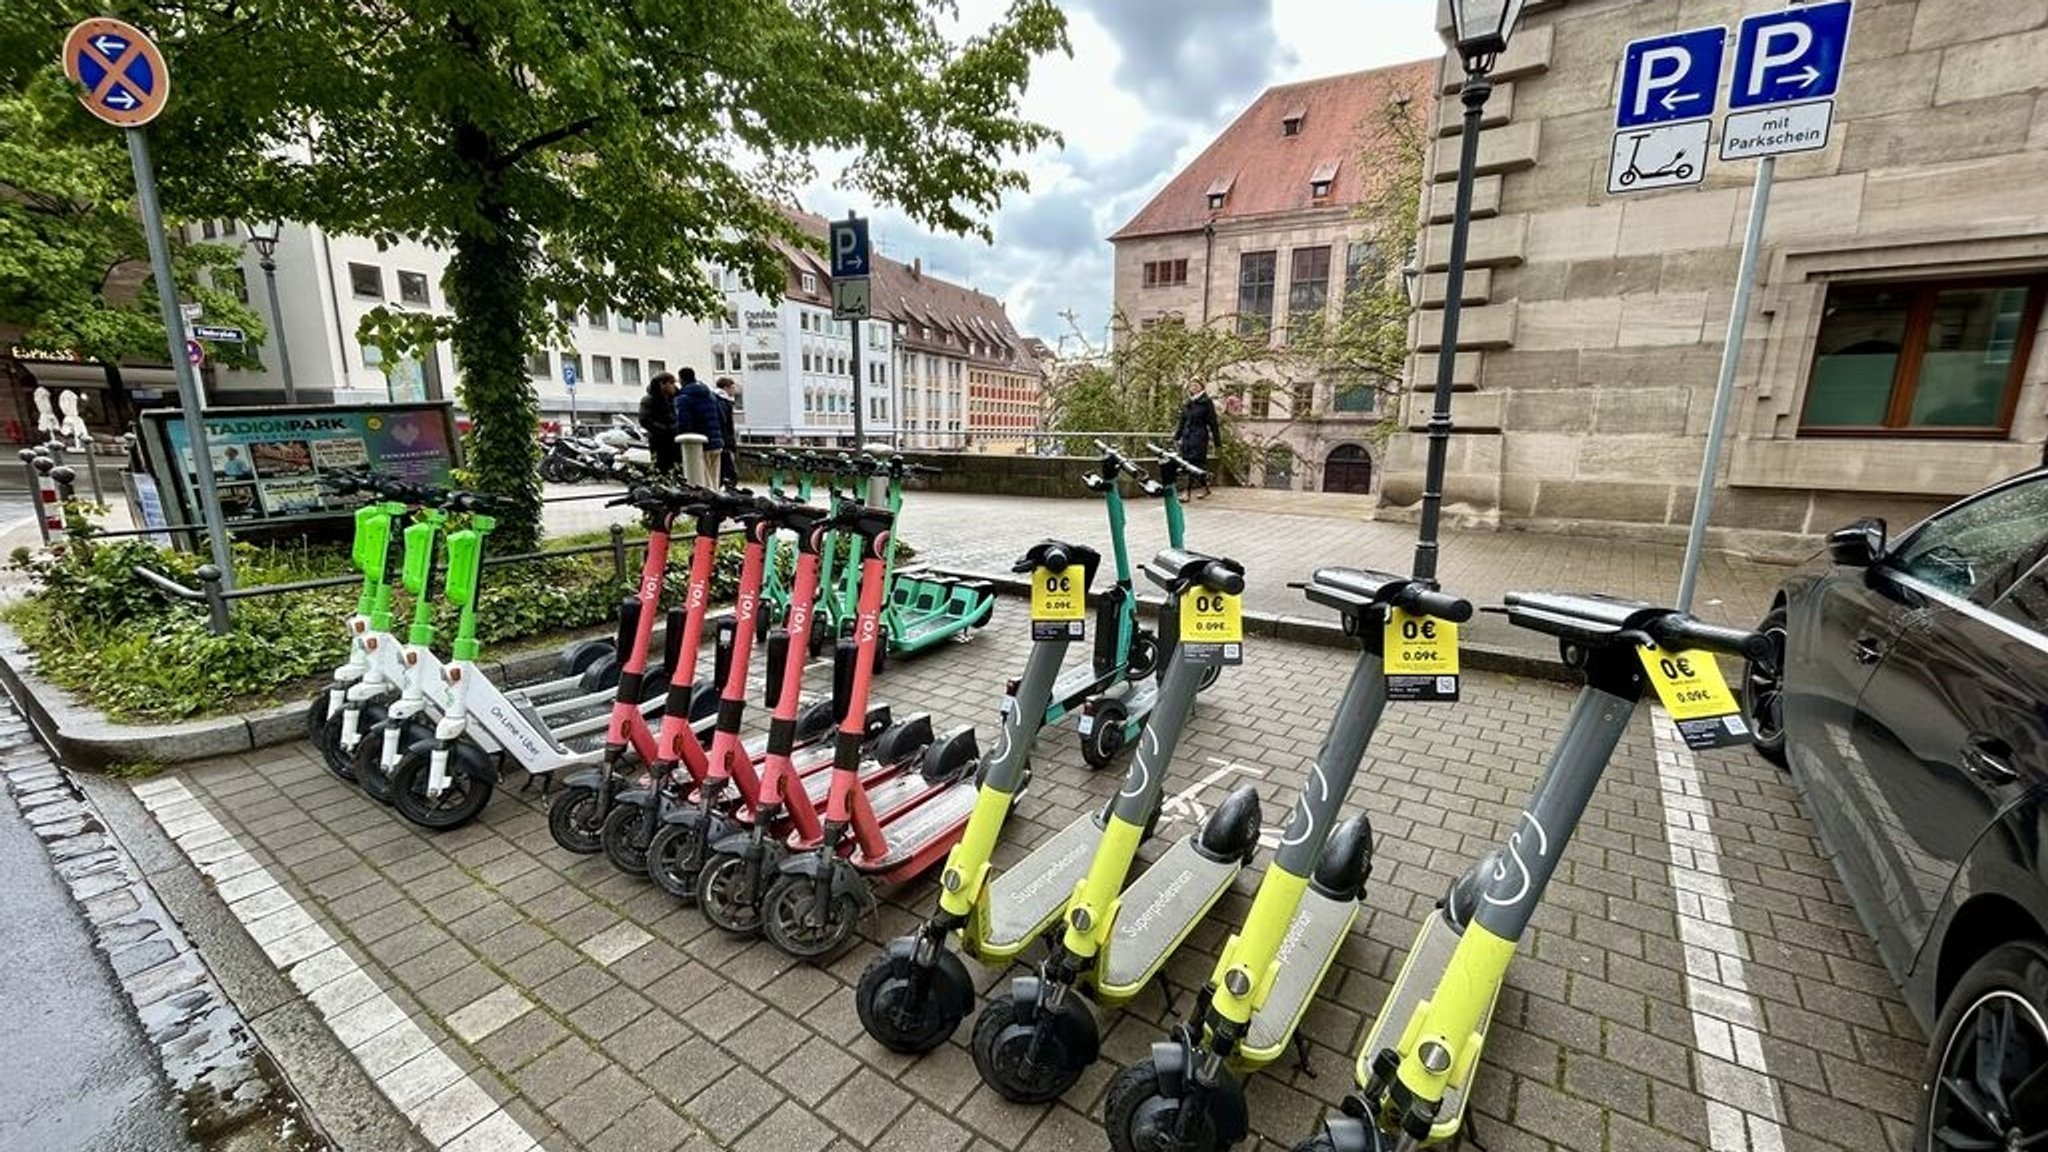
(686, 407)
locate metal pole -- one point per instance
(284, 355)
(859, 417)
(174, 335)
(1724, 388)
(1474, 93)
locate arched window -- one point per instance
(1347, 469)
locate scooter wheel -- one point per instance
(1210, 676)
(459, 803)
(670, 856)
(787, 922)
(882, 1002)
(341, 761)
(722, 894)
(574, 821)
(1138, 1119)
(368, 760)
(316, 716)
(1320, 1142)
(1001, 1045)
(1144, 657)
(1102, 743)
(624, 838)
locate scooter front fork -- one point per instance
(437, 770)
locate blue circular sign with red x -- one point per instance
(120, 74)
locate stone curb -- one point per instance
(1323, 633)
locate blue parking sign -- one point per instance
(1669, 78)
(1791, 55)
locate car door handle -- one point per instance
(1866, 650)
(1989, 759)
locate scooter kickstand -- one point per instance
(1301, 1059)
(1172, 994)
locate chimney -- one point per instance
(917, 267)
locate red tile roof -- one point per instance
(1266, 171)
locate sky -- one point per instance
(1149, 84)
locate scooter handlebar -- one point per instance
(1430, 602)
(1169, 456)
(1180, 569)
(1681, 631)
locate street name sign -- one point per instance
(219, 334)
(120, 74)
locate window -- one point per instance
(1308, 283)
(601, 370)
(629, 370)
(657, 367)
(1354, 397)
(1976, 549)
(600, 317)
(810, 282)
(566, 314)
(208, 230)
(229, 228)
(1165, 273)
(1933, 358)
(412, 288)
(652, 326)
(1254, 293)
(366, 281)
(1365, 268)
(538, 366)
(627, 323)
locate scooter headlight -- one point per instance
(952, 880)
(1237, 981)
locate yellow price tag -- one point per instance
(1211, 618)
(1421, 655)
(1059, 604)
(1697, 696)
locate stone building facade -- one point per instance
(1893, 356)
(1261, 227)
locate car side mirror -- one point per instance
(1859, 545)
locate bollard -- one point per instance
(216, 599)
(67, 482)
(619, 551)
(92, 476)
(35, 488)
(49, 510)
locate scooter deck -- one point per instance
(936, 821)
(1023, 901)
(1306, 953)
(889, 799)
(1420, 974)
(1157, 913)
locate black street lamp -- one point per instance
(264, 234)
(1481, 28)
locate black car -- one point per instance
(1909, 697)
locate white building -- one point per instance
(795, 363)
(327, 283)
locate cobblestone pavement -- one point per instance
(985, 534)
(602, 1016)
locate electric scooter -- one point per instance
(1187, 1097)
(1112, 718)
(901, 820)
(914, 995)
(371, 652)
(1416, 1068)
(445, 781)
(1124, 649)
(390, 728)
(1034, 1042)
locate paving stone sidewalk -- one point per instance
(601, 1015)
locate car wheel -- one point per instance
(1984, 1072)
(1763, 691)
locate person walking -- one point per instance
(658, 420)
(697, 415)
(1198, 429)
(728, 395)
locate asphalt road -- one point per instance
(76, 1072)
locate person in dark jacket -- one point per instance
(658, 419)
(697, 414)
(727, 393)
(1197, 430)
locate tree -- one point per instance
(74, 267)
(580, 153)
(1138, 385)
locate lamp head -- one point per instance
(1482, 29)
(264, 235)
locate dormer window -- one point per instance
(1323, 179)
(1290, 124)
(1219, 191)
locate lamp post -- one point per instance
(1481, 29)
(264, 234)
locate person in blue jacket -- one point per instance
(697, 413)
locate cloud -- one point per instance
(1188, 59)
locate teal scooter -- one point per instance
(1112, 719)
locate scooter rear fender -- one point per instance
(1073, 1024)
(1225, 1102)
(846, 880)
(949, 984)
(591, 778)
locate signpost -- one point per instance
(569, 383)
(851, 299)
(1788, 67)
(123, 81)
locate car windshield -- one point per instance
(1977, 549)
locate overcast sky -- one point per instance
(1149, 84)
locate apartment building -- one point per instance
(1262, 230)
(795, 364)
(1893, 356)
(327, 283)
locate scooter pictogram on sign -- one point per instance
(1666, 156)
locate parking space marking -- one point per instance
(446, 1106)
(1744, 1111)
